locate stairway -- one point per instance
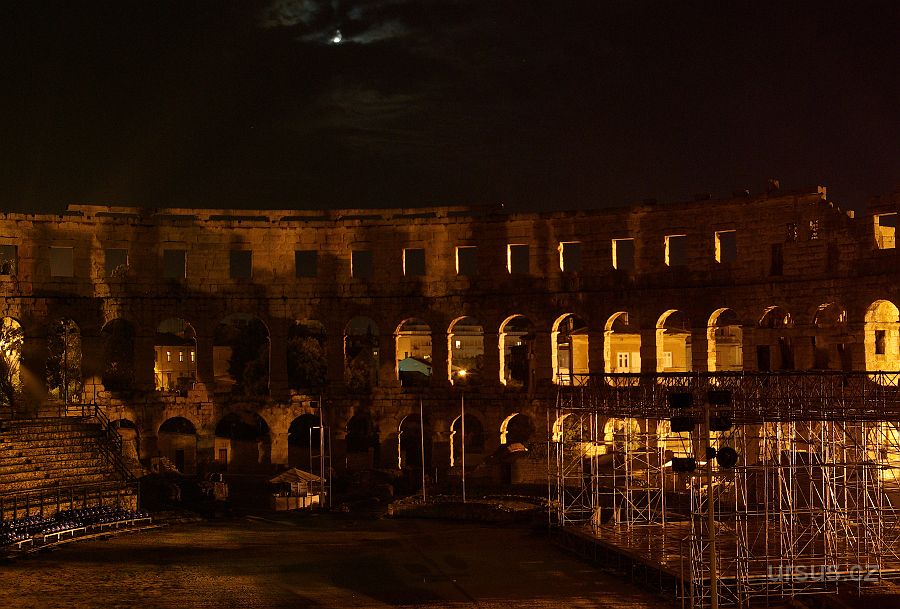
(49, 464)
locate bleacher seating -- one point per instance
(38, 531)
(48, 453)
(58, 460)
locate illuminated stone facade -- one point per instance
(778, 281)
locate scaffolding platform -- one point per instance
(811, 506)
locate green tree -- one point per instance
(64, 361)
(11, 340)
(306, 363)
(249, 363)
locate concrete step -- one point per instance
(43, 444)
(35, 485)
(62, 477)
(71, 460)
(48, 454)
(47, 434)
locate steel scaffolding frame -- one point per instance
(813, 503)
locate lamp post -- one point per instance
(711, 510)
(462, 442)
(65, 368)
(422, 446)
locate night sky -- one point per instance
(538, 105)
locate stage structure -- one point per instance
(812, 504)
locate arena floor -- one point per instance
(316, 561)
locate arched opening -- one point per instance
(363, 443)
(517, 428)
(243, 442)
(622, 436)
(64, 381)
(774, 341)
(305, 443)
(175, 362)
(361, 354)
(474, 441)
(177, 442)
(558, 433)
(884, 450)
(118, 346)
(410, 438)
(622, 348)
(725, 339)
(466, 349)
(131, 439)
(241, 355)
(778, 441)
(516, 340)
(306, 357)
(569, 349)
(882, 340)
(413, 351)
(830, 349)
(673, 342)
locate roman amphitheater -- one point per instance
(229, 339)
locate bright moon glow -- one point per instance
(336, 39)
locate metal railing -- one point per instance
(38, 502)
(816, 395)
(109, 442)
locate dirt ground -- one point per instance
(317, 561)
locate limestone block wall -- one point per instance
(793, 250)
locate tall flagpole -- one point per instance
(422, 437)
(462, 407)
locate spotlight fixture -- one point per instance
(719, 397)
(681, 400)
(720, 422)
(683, 464)
(681, 424)
(726, 457)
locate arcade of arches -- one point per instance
(240, 351)
(327, 330)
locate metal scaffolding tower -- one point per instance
(813, 503)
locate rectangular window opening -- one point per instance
(9, 256)
(813, 230)
(466, 260)
(174, 264)
(240, 264)
(115, 261)
(776, 268)
(62, 262)
(623, 254)
(885, 231)
(361, 264)
(726, 246)
(570, 256)
(792, 232)
(517, 259)
(414, 262)
(306, 263)
(879, 342)
(676, 250)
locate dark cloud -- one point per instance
(541, 105)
